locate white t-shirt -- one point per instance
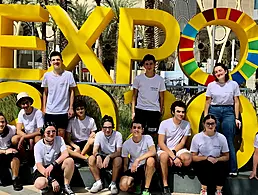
(173, 133)
(256, 141)
(108, 145)
(46, 154)
(148, 91)
(5, 142)
(137, 149)
(209, 146)
(32, 121)
(223, 94)
(81, 129)
(58, 91)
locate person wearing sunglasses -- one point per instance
(138, 154)
(106, 155)
(30, 121)
(80, 133)
(53, 166)
(210, 156)
(173, 134)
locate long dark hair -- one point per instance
(6, 129)
(207, 117)
(224, 67)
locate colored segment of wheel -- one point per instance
(243, 26)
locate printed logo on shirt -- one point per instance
(154, 88)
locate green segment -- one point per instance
(190, 67)
(253, 45)
(248, 70)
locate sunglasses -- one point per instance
(25, 102)
(50, 131)
(210, 124)
(137, 127)
(107, 128)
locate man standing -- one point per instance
(58, 96)
(106, 155)
(141, 162)
(173, 134)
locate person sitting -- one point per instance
(80, 133)
(53, 166)
(138, 154)
(255, 159)
(173, 134)
(106, 155)
(210, 156)
(30, 121)
(8, 155)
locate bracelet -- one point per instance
(175, 158)
(236, 118)
(50, 179)
(98, 154)
(55, 164)
(174, 151)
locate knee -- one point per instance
(123, 185)
(150, 162)
(163, 157)
(117, 162)
(69, 161)
(15, 139)
(41, 183)
(92, 160)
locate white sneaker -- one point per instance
(112, 187)
(218, 192)
(203, 192)
(97, 186)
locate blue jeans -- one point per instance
(225, 116)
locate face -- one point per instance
(25, 104)
(149, 65)
(50, 133)
(56, 62)
(210, 125)
(2, 123)
(220, 73)
(80, 111)
(137, 129)
(107, 128)
(179, 113)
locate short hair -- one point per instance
(224, 67)
(148, 57)
(56, 53)
(107, 118)
(136, 122)
(46, 125)
(6, 129)
(175, 104)
(209, 116)
(79, 103)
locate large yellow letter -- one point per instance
(126, 53)
(81, 41)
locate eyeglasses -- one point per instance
(210, 124)
(50, 131)
(137, 127)
(106, 128)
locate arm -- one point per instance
(126, 162)
(69, 141)
(224, 157)
(197, 158)
(135, 94)
(62, 157)
(95, 150)
(236, 105)
(116, 153)
(40, 168)
(71, 89)
(163, 146)
(207, 105)
(44, 99)
(150, 153)
(19, 129)
(161, 101)
(181, 144)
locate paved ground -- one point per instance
(30, 190)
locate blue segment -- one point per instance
(190, 31)
(238, 78)
(253, 57)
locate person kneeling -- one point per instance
(141, 162)
(53, 164)
(210, 155)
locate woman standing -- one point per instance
(210, 155)
(222, 101)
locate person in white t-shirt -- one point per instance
(106, 155)
(222, 101)
(58, 96)
(255, 159)
(53, 166)
(30, 121)
(138, 155)
(148, 97)
(8, 155)
(80, 133)
(173, 134)
(210, 156)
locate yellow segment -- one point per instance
(187, 37)
(126, 53)
(251, 64)
(21, 74)
(81, 41)
(186, 49)
(252, 33)
(199, 76)
(188, 61)
(198, 21)
(243, 74)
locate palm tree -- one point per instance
(149, 41)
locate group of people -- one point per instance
(62, 135)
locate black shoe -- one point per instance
(77, 165)
(166, 191)
(17, 186)
(67, 190)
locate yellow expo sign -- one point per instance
(80, 42)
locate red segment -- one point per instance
(209, 15)
(185, 55)
(209, 79)
(186, 43)
(222, 13)
(234, 15)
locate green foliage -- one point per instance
(8, 107)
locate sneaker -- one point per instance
(112, 187)
(166, 191)
(144, 192)
(218, 192)
(97, 186)
(17, 186)
(44, 190)
(138, 189)
(233, 174)
(203, 192)
(67, 190)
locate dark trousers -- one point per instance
(211, 174)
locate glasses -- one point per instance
(51, 131)
(137, 127)
(106, 128)
(25, 102)
(210, 124)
